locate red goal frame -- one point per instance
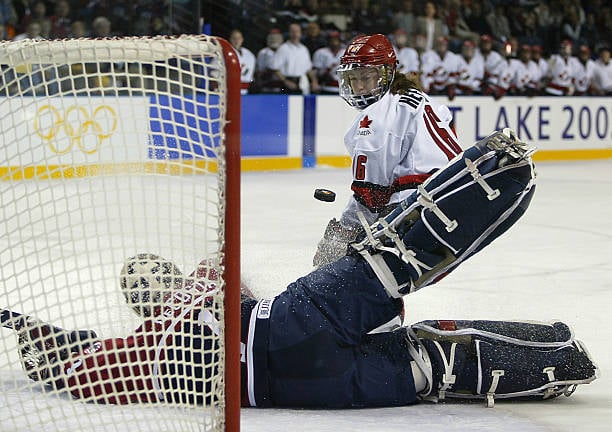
(232, 239)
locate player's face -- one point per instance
(363, 80)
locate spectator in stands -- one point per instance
(590, 31)
(571, 28)
(404, 18)
(530, 35)
(30, 10)
(458, 28)
(31, 82)
(33, 31)
(407, 57)
(78, 29)
(293, 64)
(313, 39)
(374, 19)
(499, 25)
(8, 16)
(101, 27)
(602, 73)
(246, 59)
(604, 23)
(325, 62)
(60, 20)
(430, 25)
(266, 79)
(550, 17)
(475, 18)
(514, 14)
(562, 71)
(471, 70)
(583, 72)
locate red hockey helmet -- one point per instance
(366, 70)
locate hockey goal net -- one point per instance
(112, 148)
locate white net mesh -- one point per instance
(112, 148)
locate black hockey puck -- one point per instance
(325, 195)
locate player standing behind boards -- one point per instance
(326, 60)
(246, 58)
(266, 80)
(399, 138)
(293, 64)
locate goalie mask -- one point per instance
(366, 70)
(145, 279)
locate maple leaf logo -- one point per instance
(365, 123)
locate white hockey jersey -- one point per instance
(583, 75)
(325, 61)
(441, 71)
(561, 75)
(471, 75)
(247, 68)
(395, 145)
(408, 60)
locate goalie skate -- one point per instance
(456, 213)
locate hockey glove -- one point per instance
(333, 245)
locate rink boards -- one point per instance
(278, 131)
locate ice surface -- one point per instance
(554, 264)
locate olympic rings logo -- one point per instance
(86, 129)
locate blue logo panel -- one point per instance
(184, 127)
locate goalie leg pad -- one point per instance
(456, 213)
(502, 359)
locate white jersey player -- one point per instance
(471, 70)
(562, 68)
(326, 60)
(493, 65)
(444, 67)
(399, 138)
(583, 71)
(542, 75)
(408, 61)
(246, 59)
(602, 73)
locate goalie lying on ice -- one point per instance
(312, 346)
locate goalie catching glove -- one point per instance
(454, 214)
(42, 347)
(499, 359)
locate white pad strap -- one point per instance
(473, 169)
(448, 379)
(421, 359)
(427, 202)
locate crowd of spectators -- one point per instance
(491, 47)
(450, 47)
(57, 19)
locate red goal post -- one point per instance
(232, 240)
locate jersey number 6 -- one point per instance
(359, 167)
